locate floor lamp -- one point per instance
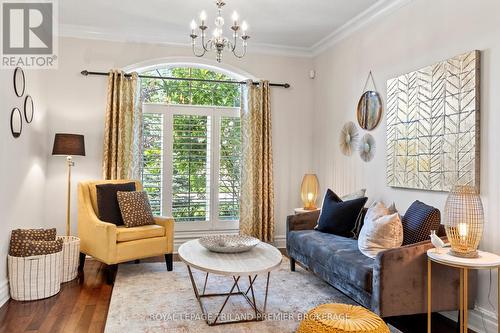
(69, 145)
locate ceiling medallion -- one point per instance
(218, 42)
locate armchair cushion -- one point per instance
(107, 203)
(124, 234)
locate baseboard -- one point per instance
(280, 241)
(184, 236)
(4, 292)
(480, 320)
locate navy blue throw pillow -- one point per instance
(339, 217)
(418, 222)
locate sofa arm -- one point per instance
(400, 282)
(168, 224)
(303, 221)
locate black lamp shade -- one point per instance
(68, 144)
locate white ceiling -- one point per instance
(293, 24)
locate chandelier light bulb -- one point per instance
(193, 25)
(203, 16)
(235, 17)
(244, 27)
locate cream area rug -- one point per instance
(147, 298)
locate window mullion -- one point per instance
(168, 141)
(214, 194)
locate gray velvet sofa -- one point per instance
(392, 284)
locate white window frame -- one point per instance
(215, 113)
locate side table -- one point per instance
(485, 260)
(302, 210)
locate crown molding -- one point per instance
(85, 32)
(378, 10)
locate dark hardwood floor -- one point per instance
(82, 306)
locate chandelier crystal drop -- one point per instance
(218, 42)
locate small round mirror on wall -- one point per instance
(29, 109)
(19, 82)
(16, 122)
(369, 110)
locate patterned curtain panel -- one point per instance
(123, 129)
(257, 192)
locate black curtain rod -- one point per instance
(283, 85)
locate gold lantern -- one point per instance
(464, 221)
(309, 191)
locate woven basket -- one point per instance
(71, 254)
(34, 277)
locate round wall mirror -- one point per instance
(16, 122)
(369, 110)
(19, 82)
(29, 109)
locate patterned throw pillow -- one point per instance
(135, 208)
(20, 236)
(35, 247)
(418, 222)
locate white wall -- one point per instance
(77, 104)
(419, 34)
(22, 167)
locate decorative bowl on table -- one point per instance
(228, 243)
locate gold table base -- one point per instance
(463, 310)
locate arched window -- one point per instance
(192, 147)
(190, 92)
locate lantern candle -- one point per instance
(462, 230)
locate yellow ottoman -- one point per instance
(337, 318)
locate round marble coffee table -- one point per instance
(262, 259)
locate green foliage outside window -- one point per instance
(190, 92)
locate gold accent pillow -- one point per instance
(135, 208)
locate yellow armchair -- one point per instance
(113, 244)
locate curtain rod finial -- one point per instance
(85, 72)
(287, 85)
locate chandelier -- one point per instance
(218, 42)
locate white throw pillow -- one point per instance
(382, 230)
(354, 195)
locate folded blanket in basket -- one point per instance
(31, 242)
